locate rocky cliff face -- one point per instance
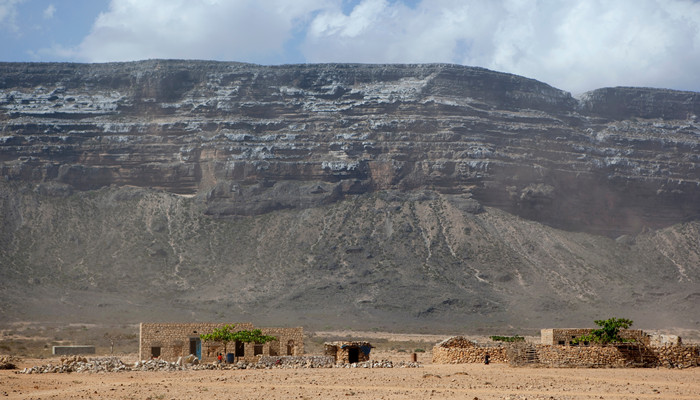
(239, 144)
(251, 139)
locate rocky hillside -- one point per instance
(360, 195)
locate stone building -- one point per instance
(169, 341)
(348, 352)
(565, 337)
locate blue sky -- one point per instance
(575, 45)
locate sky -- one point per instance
(574, 45)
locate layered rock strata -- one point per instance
(249, 139)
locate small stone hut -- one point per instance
(348, 352)
(169, 341)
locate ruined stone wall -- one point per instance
(474, 354)
(173, 341)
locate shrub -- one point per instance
(609, 331)
(515, 338)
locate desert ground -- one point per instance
(461, 381)
(456, 381)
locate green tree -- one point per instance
(255, 336)
(225, 334)
(222, 335)
(609, 331)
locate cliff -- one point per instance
(392, 177)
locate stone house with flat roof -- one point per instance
(566, 336)
(169, 341)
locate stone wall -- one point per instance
(621, 355)
(678, 356)
(580, 356)
(169, 341)
(454, 355)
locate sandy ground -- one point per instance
(462, 381)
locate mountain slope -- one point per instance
(386, 259)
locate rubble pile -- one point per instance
(80, 364)
(295, 362)
(456, 342)
(380, 364)
(113, 364)
(157, 365)
(8, 362)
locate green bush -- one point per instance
(515, 338)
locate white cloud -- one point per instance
(49, 11)
(242, 30)
(575, 45)
(8, 14)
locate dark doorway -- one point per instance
(155, 352)
(274, 348)
(196, 347)
(290, 348)
(353, 355)
(240, 349)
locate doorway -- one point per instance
(353, 355)
(196, 347)
(240, 349)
